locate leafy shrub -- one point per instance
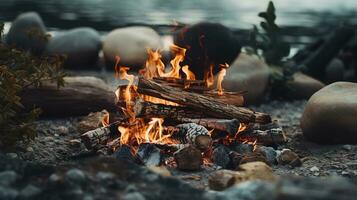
(18, 71)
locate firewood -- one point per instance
(184, 115)
(79, 96)
(100, 136)
(270, 137)
(211, 106)
(188, 158)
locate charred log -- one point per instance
(211, 106)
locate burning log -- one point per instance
(184, 115)
(199, 86)
(211, 106)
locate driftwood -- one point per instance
(80, 96)
(315, 64)
(211, 107)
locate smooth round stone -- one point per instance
(27, 32)
(330, 115)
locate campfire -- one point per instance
(167, 116)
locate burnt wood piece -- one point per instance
(188, 158)
(315, 64)
(230, 126)
(268, 137)
(211, 106)
(79, 96)
(124, 154)
(100, 136)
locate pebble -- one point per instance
(347, 147)
(8, 178)
(76, 176)
(12, 155)
(133, 196)
(105, 176)
(29, 192)
(29, 149)
(54, 178)
(314, 169)
(8, 193)
(269, 153)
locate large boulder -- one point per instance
(330, 115)
(303, 86)
(247, 73)
(28, 33)
(207, 44)
(130, 44)
(81, 47)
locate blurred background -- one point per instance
(105, 15)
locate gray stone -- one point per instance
(130, 44)
(29, 192)
(81, 47)
(269, 153)
(8, 193)
(54, 178)
(330, 115)
(12, 155)
(8, 177)
(22, 28)
(247, 73)
(335, 71)
(133, 196)
(250, 190)
(75, 176)
(303, 86)
(105, 176)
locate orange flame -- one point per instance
(220, 78)
(208, 76)
(189, 74)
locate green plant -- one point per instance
(269, 39)
(18, 71)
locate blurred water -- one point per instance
(106, 14)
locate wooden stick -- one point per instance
(269, 137)
(211, 106)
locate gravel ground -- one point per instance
(53, 146)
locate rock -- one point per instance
(163, 171)
(75, 176)
(330, 115)
(220, 156)
(206, 44)
(130, 44)
(250, 190)
(81, 47)
(303, 86)
(133, 196)
(254, 157)
(334, 71)
(314, 169)
(222, 179)
(27, 32)
(269, 153)
(12, 155)
(91, 122)
(244, 148)
(188, 158)
(105, 176)
(8, 193)
(7, 178)
(29, 192)
(286, 156)
(247, 73)
(149, 154)
(54, 179)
